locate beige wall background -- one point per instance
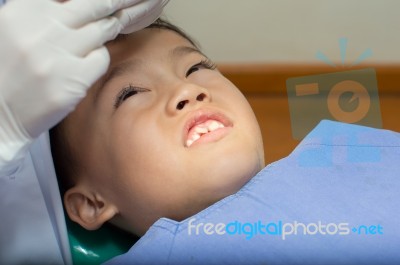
(265, 31)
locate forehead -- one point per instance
(146, 42)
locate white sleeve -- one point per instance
(14, 144)
(32, 227)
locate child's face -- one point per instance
(135, 148)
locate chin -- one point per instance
(230, 170)
(235, 177)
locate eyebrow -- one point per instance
(181, 51)
(129, 66)
(115, 72)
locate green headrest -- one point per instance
(96, 247)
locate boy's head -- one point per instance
(161, 134)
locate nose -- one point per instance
(187, 96)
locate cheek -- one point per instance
(148, 175)
(228, 96)
(231, 97)
(142, 154)
(133, 142)
(244, 114)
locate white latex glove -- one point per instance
(50, 54)
(141, 15)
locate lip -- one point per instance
(201, 116)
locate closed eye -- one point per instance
(203, 64)
(126, 93)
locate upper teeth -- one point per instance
(197, 131)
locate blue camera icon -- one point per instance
(348, 96)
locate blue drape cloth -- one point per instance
(334, 200)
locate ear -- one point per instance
(88, 209)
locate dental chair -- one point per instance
(96, 247)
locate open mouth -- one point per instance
(205, 127)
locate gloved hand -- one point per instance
(50, 54)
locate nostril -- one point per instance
(201, 97)
(181, 104)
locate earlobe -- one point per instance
(88, 209)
